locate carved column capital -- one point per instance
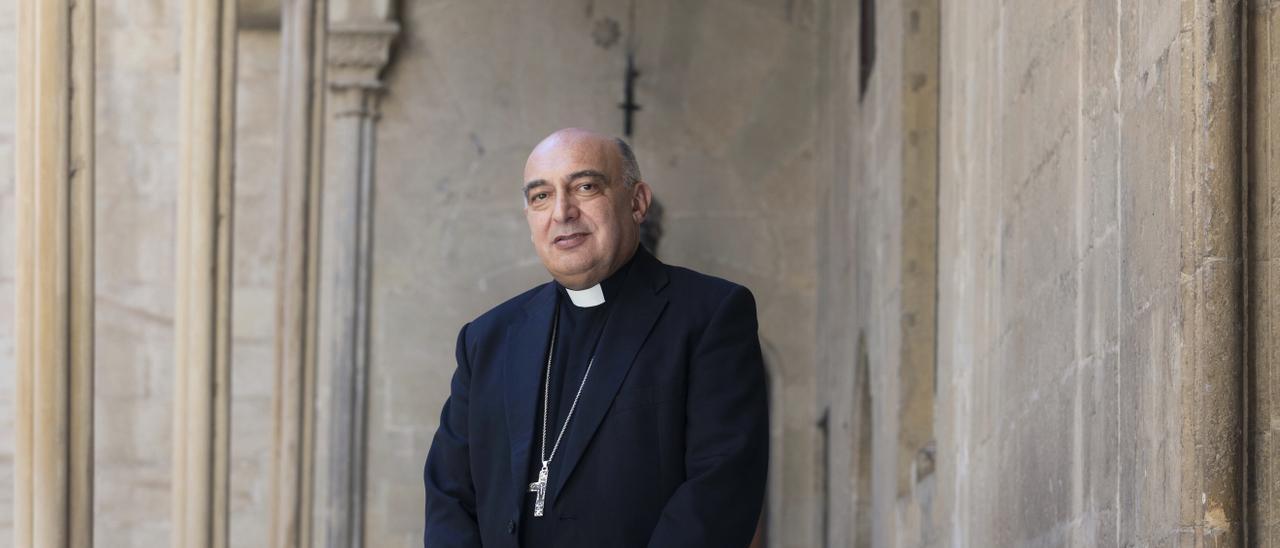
(358, 53)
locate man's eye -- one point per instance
(587, 187)
(538, 197)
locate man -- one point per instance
(622, 404)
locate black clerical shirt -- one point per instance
(577, 339)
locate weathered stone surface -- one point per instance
(1066, 410)
(1263, 273)
(137, 166)
(256, 252)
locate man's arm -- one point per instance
(727, 450)
(451, 497)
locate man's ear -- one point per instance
(641, 196)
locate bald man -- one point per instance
(621, 404)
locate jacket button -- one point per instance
(511, 527)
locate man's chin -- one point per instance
(575, 260)
(573, 276)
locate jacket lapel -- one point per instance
(637, 308)
(526, 352)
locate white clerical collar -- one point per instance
(586, 298)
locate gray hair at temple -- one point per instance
(651, 228)
(630, 167)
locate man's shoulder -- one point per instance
(700, 289)
(696, 301)
(687, 278)
(509, 310)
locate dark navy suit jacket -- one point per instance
(668, 446)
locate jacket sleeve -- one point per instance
(451, 498)
(727, 445)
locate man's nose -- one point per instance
(565, 210)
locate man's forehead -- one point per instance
(563, 158)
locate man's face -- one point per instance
(583, 221)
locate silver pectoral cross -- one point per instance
(539, 487)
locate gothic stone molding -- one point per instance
(359, 51)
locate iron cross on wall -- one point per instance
(629, 106)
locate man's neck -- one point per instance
(589, 283)
(597, 293)
(586, 298)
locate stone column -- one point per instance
(919, 240)
(359, 49)
(1263, 274)
(302, 40)
(1212, 220)
(53, 475)
(202, 331)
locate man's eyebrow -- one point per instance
(532, 184)
(587, 173)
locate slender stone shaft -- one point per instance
(1212, 273)
(202, 331)
(358, 51)
(302, 110)
(53, 476)
(1263, 274)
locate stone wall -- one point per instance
(725, 136)
(137, 156)
(256, 256)
(843, 489)
(137, 166)
(1089, 281)
(136, 198)
(862, 289)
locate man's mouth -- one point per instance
(569, 241)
